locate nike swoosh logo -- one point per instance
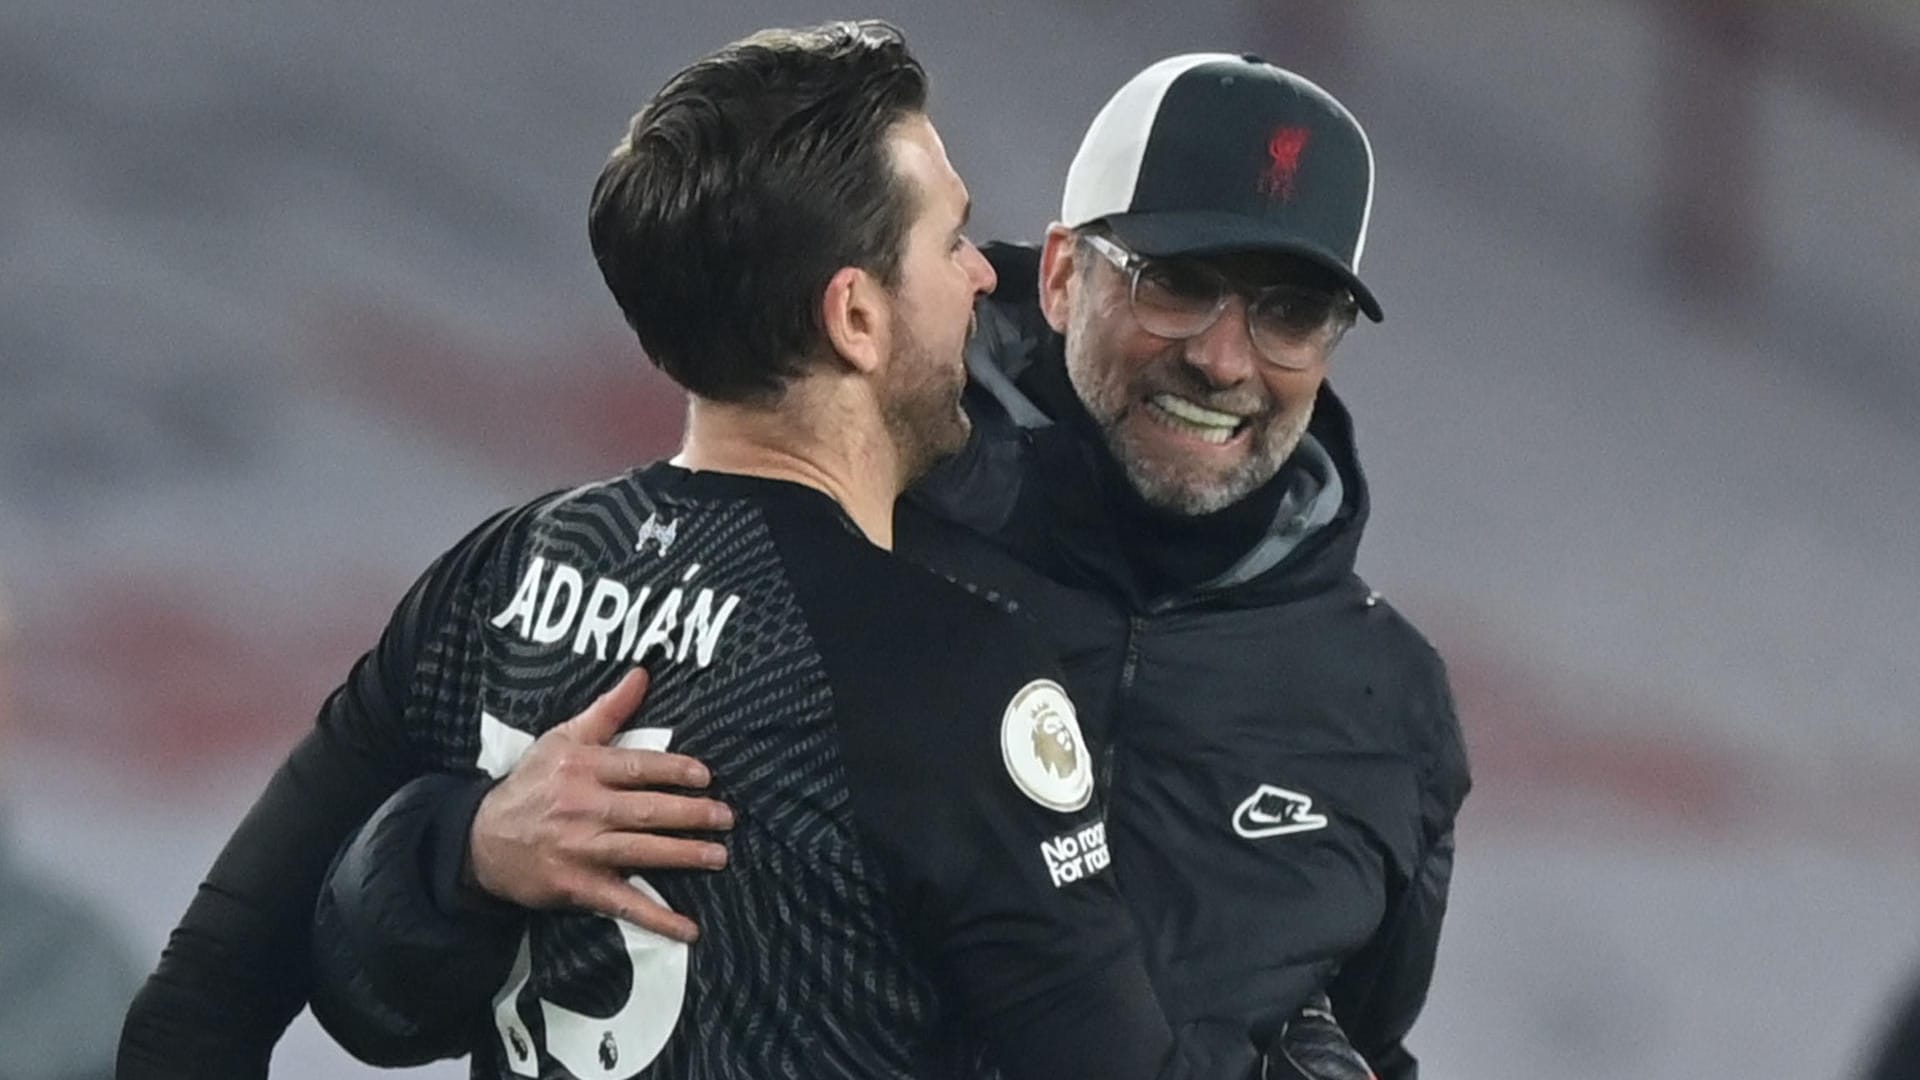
(1276, 811)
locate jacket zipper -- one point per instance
(1130, 666)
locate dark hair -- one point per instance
(750, 180)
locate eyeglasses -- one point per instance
(1291, 326)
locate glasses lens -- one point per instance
(1284, 320)
(1290, 314)
(1176, 299)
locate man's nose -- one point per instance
(1224, 352)
(984, 278)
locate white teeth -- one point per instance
(1208, 424)
(1195, 414)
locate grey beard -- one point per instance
(1168, 490)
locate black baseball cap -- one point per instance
(1212, 153)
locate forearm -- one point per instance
(234, 972)
(407, 957)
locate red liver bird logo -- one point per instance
(1284, 148)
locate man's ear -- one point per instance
(1058, 271)
(854, 312)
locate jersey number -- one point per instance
(592, 1047)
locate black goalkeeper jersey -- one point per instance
(917, 869)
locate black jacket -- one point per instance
(1281, 693)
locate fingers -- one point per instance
(621, 767)
(599, 722)
(639, 851)
(652, 810)
(613, 897)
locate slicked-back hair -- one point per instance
(752, 178)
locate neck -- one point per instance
(824, 434)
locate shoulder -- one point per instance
(880, 598)
(594, 523)
(1425, 688)
(482, 567)
(955, 699)
(949, 684)
(498, 537)
(892, 630)
(460, 577)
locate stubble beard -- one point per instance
(1163, 480)
(922, 412)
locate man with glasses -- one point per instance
(1163, 479)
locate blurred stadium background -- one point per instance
(295, 292)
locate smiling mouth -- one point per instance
(1198, 421)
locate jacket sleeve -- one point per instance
(1381, 990)
(235, 970)
(407, 956)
